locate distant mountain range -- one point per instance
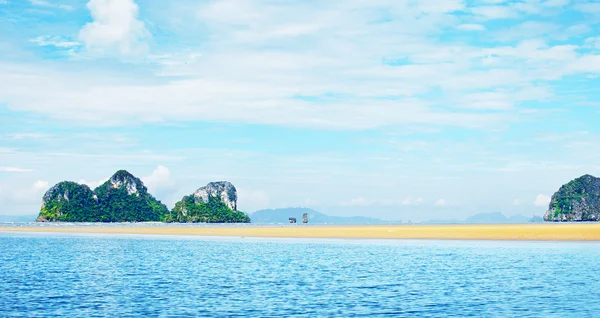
(276, 216)
(280, 216)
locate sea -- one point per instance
(84, 275)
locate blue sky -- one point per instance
(409, 110)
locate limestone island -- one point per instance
(124, 198)
(576, 201)
(213, 203)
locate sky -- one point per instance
(401, 110)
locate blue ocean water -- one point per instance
(49, 275)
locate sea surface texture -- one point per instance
(50, 275)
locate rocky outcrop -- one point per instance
(69, 202)
(125, 180)
(123, 198)
(576, 201)
(213, 203)
(220, 189)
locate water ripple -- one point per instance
(97, 276)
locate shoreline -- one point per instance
(510, 232)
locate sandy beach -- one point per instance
(545, 232)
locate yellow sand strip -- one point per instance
(547, 232)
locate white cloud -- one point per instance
(296, 30)
(31, 194)
(243, 11)
(554, 137)
(34, 136)
(556, 3)
(541, 200)
(175, 59)
(437, 7)
(92, 184)
(267, 101)
(538, 6)
(14, 169)
(586, 64)
(503, 100)
(115, 29)
(589, 7)
(55, 41)
(412, 201)
(43, 3)
(493, 1)
(593, 42)
(471, 27)
(577, 29)
(159, 183)
(487, 101)
(527, 30)
(440, 202)
(249, 72)
(495, 12)
(40, 185)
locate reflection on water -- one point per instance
(71, 275)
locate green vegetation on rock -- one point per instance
(215, 210)
(124, 198)
(69, 202)
(578, 200)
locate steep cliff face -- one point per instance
(223, 189)
(576, 201)
(213, 203)
(69, 202)
(123, 198)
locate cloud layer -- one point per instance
(396, 109)
(294, 64)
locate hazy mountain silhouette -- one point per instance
(274, 216)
